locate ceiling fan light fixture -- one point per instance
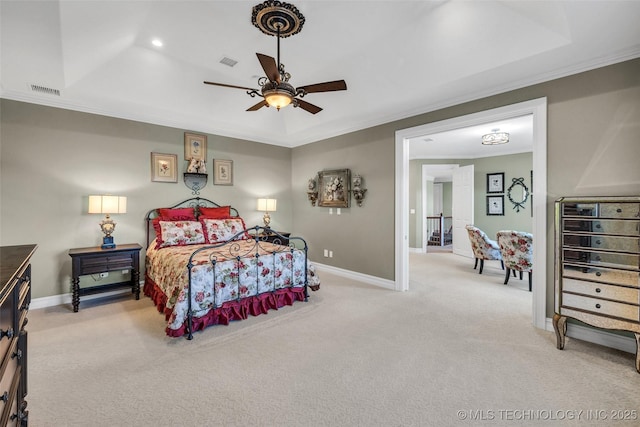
(495, 137)
(278, 98)
(278, 95)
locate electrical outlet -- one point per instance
(326, 253)
(103, 275)
(125, 271)
(330, 254)
(330, 211)
(338, 211)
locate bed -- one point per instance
(204, 267)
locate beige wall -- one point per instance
(53, 159)
(593, 147)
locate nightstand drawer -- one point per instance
(98, 264)
(602, 307)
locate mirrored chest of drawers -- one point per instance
(597, 268)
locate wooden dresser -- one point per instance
(15, 296)
(597, 268)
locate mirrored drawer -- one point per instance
(602, 307)
(613, 243)
(600, 290)
(602, 226)
(597, 274)
(604, 259)
(619, 210)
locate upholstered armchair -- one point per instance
(483, 247)
(516, 248)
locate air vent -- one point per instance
(45, 90)
(228, 61)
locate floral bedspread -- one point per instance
(264, 268)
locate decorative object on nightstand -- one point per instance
(106, 204)
(266, 206)
(358, 191)
(312, 191)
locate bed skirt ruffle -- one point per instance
(230, 310)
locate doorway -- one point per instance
(538, 109)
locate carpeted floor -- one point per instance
(457, 349)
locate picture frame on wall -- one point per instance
(222, 172)
(495, 205)
(164, 167)
(195, 146)
(334, 188)
(495, 182)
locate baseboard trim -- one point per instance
(597, 336)
(64, 299)
(360, 277)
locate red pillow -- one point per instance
(177, 214)
(223, 212)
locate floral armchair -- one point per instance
(516, 248)
(483, 247)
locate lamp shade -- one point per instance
(107, 204)
(267, 205)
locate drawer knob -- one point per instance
(8, 333)
(598, 226)
(17, 354)
(598, 242)
(4, 397)
(618, 210)
(598, 258)
(597, 305)
(598, 290)
(598, 273)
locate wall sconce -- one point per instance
(312, 191)
(357, 190)
(107, 205)
(266, 206)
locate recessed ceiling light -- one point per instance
(156, 42)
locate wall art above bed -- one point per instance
(164, 167)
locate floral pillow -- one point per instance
(221, 230)
(179, 233)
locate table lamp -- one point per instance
(266, 206)
(107, 204)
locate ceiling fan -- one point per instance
(281, 19)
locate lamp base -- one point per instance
(107, 242)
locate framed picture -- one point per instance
(195, 146)
(495, 182)
(495, 205)
(334, 188)
(222, 172)
(164, 167)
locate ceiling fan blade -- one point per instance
(270, 67)
(324, 87)
(313, 109)
(231, 86)
(258, 106)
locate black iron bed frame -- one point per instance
(259, 236)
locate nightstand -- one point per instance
(95, 260)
